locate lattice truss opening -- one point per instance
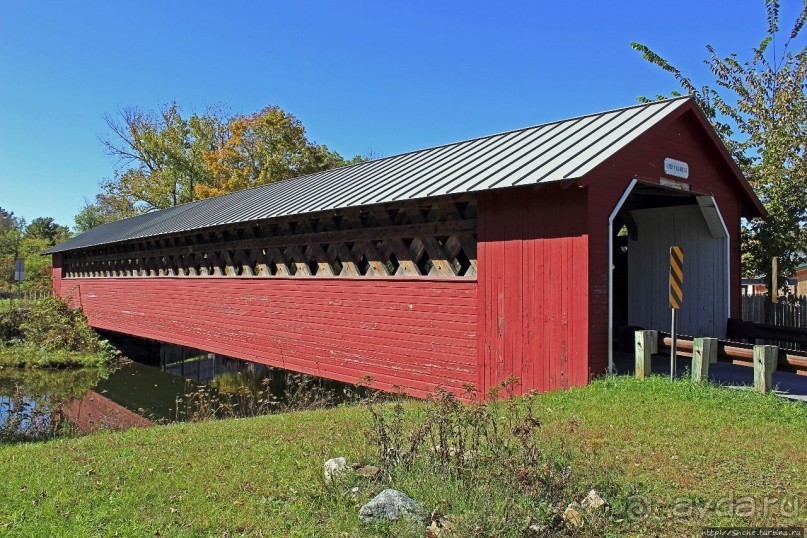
(435, 238)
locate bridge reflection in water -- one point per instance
(203, 367)
(150, 389)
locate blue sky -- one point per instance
(378, 77)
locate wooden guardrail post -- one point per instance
(765, 361)
(646, 345)
(704, 353)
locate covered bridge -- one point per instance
(457, 265)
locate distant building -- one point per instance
(757, 286)
(801, 280)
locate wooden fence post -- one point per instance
(646, 345)
(704, 353)
(765, 361)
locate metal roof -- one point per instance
(566, 149)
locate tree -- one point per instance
(22, 241)
(164, 159)
(90, 216)
(159, 156)
(261, 148)
(46, 229)
(38, 268)
(7, 220)
(759, 108)
(10, 239)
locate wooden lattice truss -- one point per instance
(427, 238)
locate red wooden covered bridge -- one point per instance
(457, 265)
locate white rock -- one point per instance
(593, 501)
(536, 530)
(334, 467)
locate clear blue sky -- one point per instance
(385, 77)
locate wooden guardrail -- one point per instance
(749, 331)
(765, 359)
(740, 353)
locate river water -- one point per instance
(179, 384)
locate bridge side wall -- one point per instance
(533, 287)
(56, 274)
(412, 334)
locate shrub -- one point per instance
(51, 324)
(48, 333)
(10, 324)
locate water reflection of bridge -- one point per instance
(133, 394)
(201, 366)
(96, 412)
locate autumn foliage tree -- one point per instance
(261, 148)
(165, 159)
(759, 107)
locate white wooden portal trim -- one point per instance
(711, 213)
(611, 218)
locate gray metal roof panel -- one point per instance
(566, 149)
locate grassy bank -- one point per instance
(31, 356)
(669, 457)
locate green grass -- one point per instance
(652, 443)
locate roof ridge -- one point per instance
(511, 131)
(430, 148)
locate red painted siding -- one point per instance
(412, 334)
(679, 137)
(56, 273)
(533, 280)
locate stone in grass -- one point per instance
(572, 516)
(368, 471)
(391, 505)
(334, 467)
(593, 501)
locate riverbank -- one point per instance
(666, 456)
(32, 356)
(47, 333)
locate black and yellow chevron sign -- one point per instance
(676, 277)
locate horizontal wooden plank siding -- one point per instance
(412, 335)
(533, 296)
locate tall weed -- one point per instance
(490, 449)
